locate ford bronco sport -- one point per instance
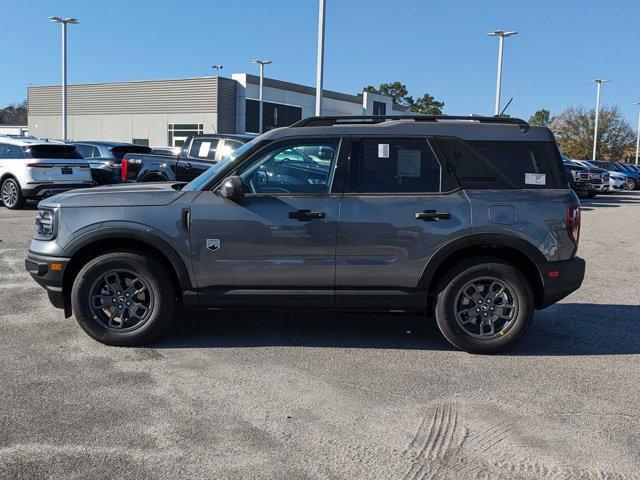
(466, 219)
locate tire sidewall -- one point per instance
(460, 276)
(155, 276)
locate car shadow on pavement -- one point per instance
(610, 200)
(233, 329)
(563, 329)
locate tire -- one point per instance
(11, 194)
(449, 295)
(631, 183)
(158, 302)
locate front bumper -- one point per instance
(559, 279)
(48, 272)
(48, 189)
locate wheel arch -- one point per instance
(104, 240)
(518, 252)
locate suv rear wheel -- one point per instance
(11, 194)
(484, 305)
(122, 298)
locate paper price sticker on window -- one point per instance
(204, 149)
(535, 179)
(409, 162)
(383, 150)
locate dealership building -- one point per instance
(165, 112)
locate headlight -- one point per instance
(576, 175)
(46, 224)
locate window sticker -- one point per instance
(535, 179)
(383, 150)
(204, 149)
(409, 162)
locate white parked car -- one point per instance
(32, 168)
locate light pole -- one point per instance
(320, 64)
(638, 138)
(595, 126)
(501, 36)
(64, 22)
(262, 63)
(217, 68)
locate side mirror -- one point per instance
(232, 188)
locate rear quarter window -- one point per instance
(504, 164)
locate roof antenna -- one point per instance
(506, 106)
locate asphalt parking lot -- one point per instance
(303, 395)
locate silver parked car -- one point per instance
(466, 219)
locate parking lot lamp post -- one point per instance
(217, 68)
(64, 22)
(599, 83)
(320, 60)
(638, 137)
(262, 63)
(501, 36)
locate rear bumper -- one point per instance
(48, 189)
(48, 273)
(559, 279)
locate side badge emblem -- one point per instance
(213, 244)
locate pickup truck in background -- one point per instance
(198, 153)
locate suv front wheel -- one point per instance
(484, 305)
(123, 299)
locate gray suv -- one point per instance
(468, 220)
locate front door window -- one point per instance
(304, 167)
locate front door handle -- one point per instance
(431, 215)
(305, 215)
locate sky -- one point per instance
(437, 47)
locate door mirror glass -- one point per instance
(232, 188)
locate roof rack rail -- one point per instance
(373, 119)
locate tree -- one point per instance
(541, 118)
(574, 128)
(14, 114)
(426, 104)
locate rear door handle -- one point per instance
(305, 215)
(430, 215)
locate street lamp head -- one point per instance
(63, 20)
(501, 33)
(600, 81)
(262, 62)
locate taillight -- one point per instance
(573, 223)
(123, 171)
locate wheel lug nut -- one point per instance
(477, 309)
(128, 304)
(113, 300)
(128, 294)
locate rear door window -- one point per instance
(397, 165)
(204, 148)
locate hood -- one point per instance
(126, 195)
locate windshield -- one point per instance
(211, 173)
